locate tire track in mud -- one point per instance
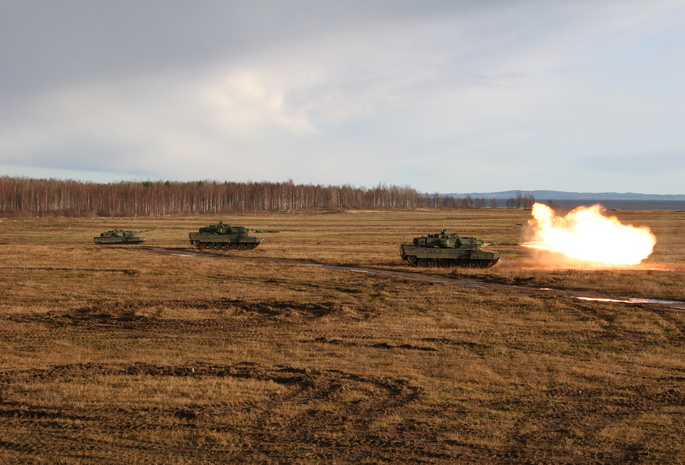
(585, 414)
(221, 315)
(72, 270)
(378, 345)
(422, 277)
(668, 310)
(294, 421)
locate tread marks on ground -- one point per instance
(295, 419)
(230, 313)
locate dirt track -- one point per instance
(435, 279)
(340, 435)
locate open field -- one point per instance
(128, 354)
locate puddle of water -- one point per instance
(174, 254)
(635, 300)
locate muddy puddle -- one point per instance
(174, 253)
(636, 300)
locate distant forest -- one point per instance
(51, 197)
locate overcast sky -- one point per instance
(444, 96)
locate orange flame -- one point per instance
(585, 234)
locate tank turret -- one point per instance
(119, 236)
(446, 249)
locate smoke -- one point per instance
(585, 237)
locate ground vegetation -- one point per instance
(322, 347)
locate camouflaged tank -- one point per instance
(224, 236)
(119, 236)
(447, 250)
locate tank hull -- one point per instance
(447, 257)
(223, 241)
(118, 240)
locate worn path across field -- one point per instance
(433, 278)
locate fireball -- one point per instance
(586, 234)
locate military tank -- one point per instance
(224, 236)
(119, 236)
(447, 250)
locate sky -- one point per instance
(447, 96)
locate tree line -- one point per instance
(38, 197)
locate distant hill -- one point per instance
(544, 195)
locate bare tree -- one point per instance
(22, 196)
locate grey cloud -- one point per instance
(50, 43)
(184, 89)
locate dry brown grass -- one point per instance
(113, 354)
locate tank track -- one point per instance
(224, 245)
(450, 263)
(135, 240)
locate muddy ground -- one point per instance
(126, 355)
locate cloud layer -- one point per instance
(440, 95)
